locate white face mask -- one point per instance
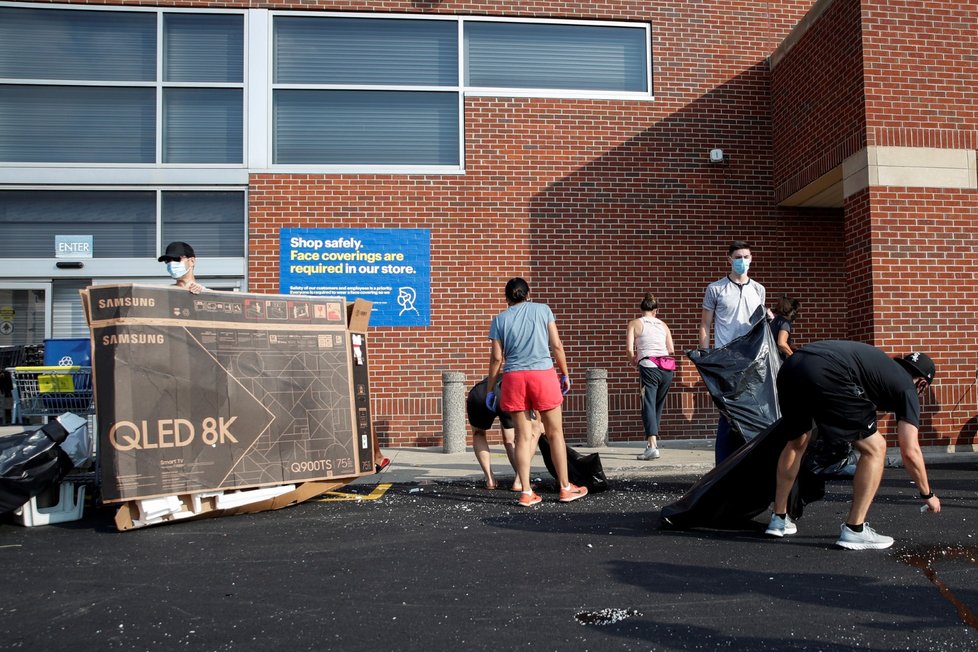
(177, 269)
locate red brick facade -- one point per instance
(894, 74)
(598, 201)
(595, 202)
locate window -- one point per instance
(123, 223)
(402, 117)
(171, 87)
(573, 57)
(387, 91)
(212, 221)
(82, 87)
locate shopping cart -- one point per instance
(51, 391)
(10, 356)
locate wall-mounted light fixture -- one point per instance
(717, 156)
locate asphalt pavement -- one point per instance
(423, 557)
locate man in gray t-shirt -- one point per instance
(729, 303)
(727, 306)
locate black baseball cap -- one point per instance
(918, 364)
(176, 251)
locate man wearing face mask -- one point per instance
(180, 262)
(727, 306)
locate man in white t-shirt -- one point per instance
(727, 306)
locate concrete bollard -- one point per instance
(597, 408)
(453, 411)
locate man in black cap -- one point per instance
(180, 262)
(840, 386)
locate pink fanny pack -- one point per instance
(666, 363)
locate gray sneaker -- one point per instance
(778, 527)
(868, 539)
(651, 453)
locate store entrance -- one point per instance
(24, 310)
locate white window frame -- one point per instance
(224, 266)
(140, 173)
(257, 89)
(265, 126)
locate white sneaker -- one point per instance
(651, 453)
(778, 527)
(868, 539)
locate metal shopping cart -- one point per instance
(51, 391)
(10, 356)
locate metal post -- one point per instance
(597, 408)
(453, 411)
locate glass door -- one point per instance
(24, 310)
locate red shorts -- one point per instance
(531, 389)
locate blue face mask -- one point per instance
(741, 265)
(176, 269)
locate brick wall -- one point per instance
(594, 202)
(893, 73)
(817, 102)
(920, 72)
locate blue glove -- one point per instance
(491, 401)
(564, 390)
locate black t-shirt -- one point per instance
(781, 323)
(882, 380)
(479, 415)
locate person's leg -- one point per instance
(524, 448)
(855, 534)
(661, 391)
(789, 464)
(552, 421)
(724, 447)
(649, 386)
(509, 444)
(480, 445)
(380, 462)
(869, 474)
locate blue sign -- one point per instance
(390, 267)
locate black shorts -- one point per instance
(480, 416)
(813, 389)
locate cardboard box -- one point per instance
(224, 392)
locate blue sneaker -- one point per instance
(868, 539)
(778, 527)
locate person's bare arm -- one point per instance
(557, 349)
(783, 343)
(630, 339)
(669, 345)
(913, 462)
(706, 320)
(495, 364)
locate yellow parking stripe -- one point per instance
(336, 496)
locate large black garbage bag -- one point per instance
(830, 458)
(582, 470)
(741, 487)
(741, 378)
(30, 463)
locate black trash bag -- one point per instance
(582, 470)
(741, 487)
(31, 462)
(832, 459)
(741, 378)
